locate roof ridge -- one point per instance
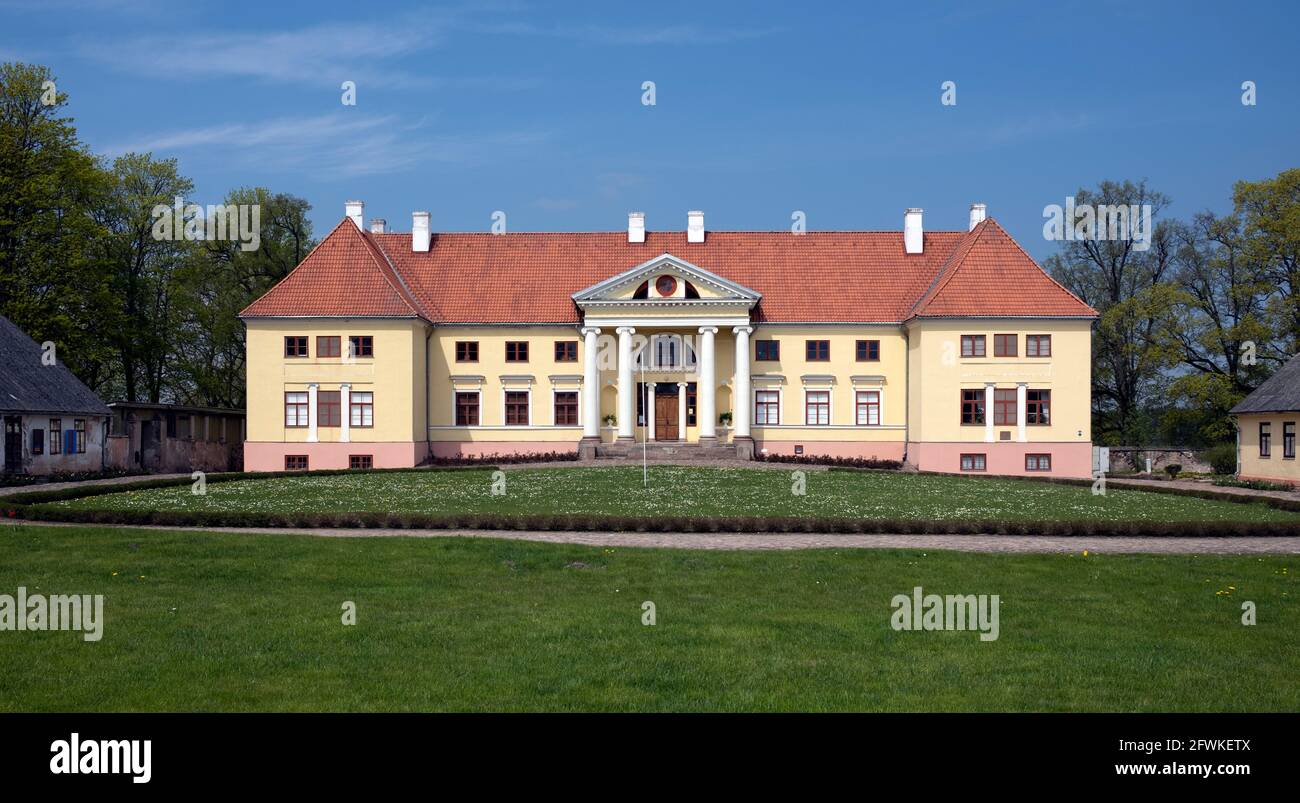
(1049, 276)
(296, 268)
(401, 288)
(944, 274)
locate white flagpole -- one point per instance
(645, 395)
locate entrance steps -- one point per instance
(664, 450)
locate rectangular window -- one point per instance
(817, 350)
(566, 351)
(1038, 345)
(868, 350)
(1038, 462)
(466, 409)
(566, 408)
(361, 461)
(56, 435)
(295, 346)
(972, 407)
(972, 345)
(328, 413)
(868, 403)
(767, 407)
(38, 441)
(1265, 439)
(1038, 407)
(295, 462)
(817, 407)
(466, 351)
(1004, 345)
(361, 346)
(690, 404)
(79, 427)
(517, 408)
(361, 408)
(327, 346)
(972, 462)
(295, 409)
(517, 351)
(1288, 440)
(1004, 408)
(767, 350)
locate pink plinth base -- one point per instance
(1068, 459)
(881, 450)
(270, 456)
(485, 448)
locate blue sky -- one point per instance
(761, 108)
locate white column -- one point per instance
(345, 413)
(626, 399)
(649, 411)
(988, 412)
(590, 384)
(311, 413)
(741, 404)
(681, 411)
(1022, 393)
(708, 411)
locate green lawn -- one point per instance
(202, 621)
(678, 490)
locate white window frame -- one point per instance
(455, 391)
(554, 391)
(352, 394)
(880, 406)
(507, 389)
(754, 421)
(830, 406)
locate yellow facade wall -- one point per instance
(1277, 467)
(939, 373)
(394, 375)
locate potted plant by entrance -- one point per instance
(725, 419)
(610, 420)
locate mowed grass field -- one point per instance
(676, 490)
(224, 622)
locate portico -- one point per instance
(674, 337)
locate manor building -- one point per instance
(952, 351)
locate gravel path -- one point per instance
(751, 541)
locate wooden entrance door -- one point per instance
(666, 417)
(13, 443)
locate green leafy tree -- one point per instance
(219, 280)
(1130, 288)
(1270, 215)
(50, 285)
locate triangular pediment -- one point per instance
(667, 279)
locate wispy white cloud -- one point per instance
(630, 34)
(321, 54)
(341, 144)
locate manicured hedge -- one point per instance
(825, 460)
(659, 524)
(494, 459)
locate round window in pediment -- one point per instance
(666, 285)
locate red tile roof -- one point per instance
(840, 277)
(989, 274)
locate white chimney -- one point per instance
(977, 214)
(419, 231)
(636, 227)
(912, 231)
(356, 211)
(695, 227)
(377, 225)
